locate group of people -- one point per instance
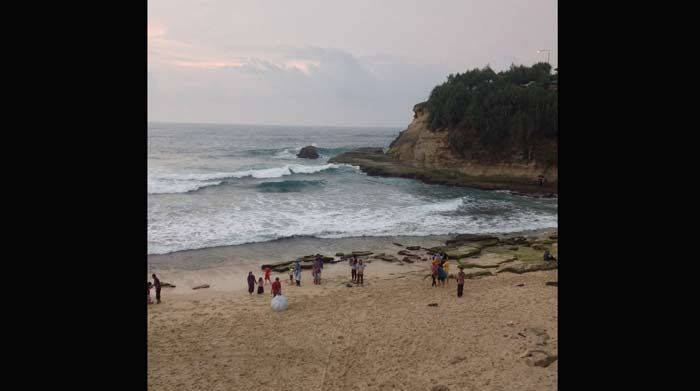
(149, 285)
(276, 285)
(357, 270)
(440, 267)
(295, 271)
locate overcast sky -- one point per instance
(323, 62)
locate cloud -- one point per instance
(282, 84)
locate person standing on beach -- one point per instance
(441, 275)
(446, 266)
(317, 272)
(276, 287)
(156, 284)
(460, 281)
(360, 272)
(351, 262)
(267, 274)
(261, 284)
(297, 272)
(434, 271)
(251, 282)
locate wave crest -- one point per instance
(184, 183)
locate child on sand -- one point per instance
(291, 274)
(148, 292)
(460, 282)
(317, 276)
(261, 290)
(267, 274)
(276, 287)
(297, 272)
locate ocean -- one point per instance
(219, 185)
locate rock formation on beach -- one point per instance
(503, 136)
(308, 152)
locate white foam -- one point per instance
(286, 154)
(160, 183)
(265, 217)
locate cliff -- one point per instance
(427, 155)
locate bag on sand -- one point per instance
(279, 303)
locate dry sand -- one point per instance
(381, 336)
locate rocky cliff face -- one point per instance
(426, 155)
(418, 146)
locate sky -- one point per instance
(327, 62)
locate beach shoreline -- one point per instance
(225, 268)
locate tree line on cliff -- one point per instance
(514, 109)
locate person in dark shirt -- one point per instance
(156, 284)
(251, 282)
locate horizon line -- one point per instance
(268, 124)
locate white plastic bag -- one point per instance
(279, 303)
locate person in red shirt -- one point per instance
(276, 287)
(267, 274)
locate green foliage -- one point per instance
(516, 105)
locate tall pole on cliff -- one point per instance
(545, 50)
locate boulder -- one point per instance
(462, 252)
(474, 273)
(471, 238)
(167, 285)
(539, 358)
(398, 244)
(281, 267)
(404, 252)
(520, 267)
(487, 261)
(413, 248)
(407, 260)
(276, 265)
(362, 253)
(308, 152)
(339, 254)
(552, 283)
(520, 240)
(388, 258)
(201, 286)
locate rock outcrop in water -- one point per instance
(424, 154)
(308, 152)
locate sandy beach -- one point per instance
(501, 335)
